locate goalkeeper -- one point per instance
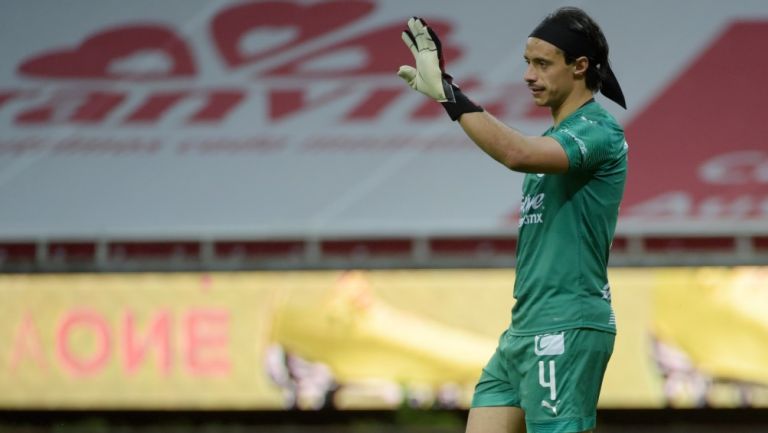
(546, 373)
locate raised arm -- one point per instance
(511, 148)
(504, 144)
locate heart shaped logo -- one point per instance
(286, 24)
(138, 52)
(371, 53)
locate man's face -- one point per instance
(548, 77)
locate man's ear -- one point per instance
(580, 66)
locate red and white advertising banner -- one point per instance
(286, 118)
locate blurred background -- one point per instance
(233, 215)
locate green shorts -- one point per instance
(555, 378)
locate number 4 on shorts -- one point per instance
(550, 383)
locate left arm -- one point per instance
(506, 145)
(511, 148)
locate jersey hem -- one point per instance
(526, 332)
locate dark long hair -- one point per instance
(578, 21)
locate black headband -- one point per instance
(576, 44)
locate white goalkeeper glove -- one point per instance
(428, 77)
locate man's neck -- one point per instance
(574, 101)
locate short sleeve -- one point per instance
(587, 143)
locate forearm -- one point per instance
(502, 143)
(507, 146)
(511, 148)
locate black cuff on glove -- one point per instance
(461, 104)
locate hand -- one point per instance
(428, 77)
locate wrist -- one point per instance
(461, 104)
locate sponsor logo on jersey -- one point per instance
(529, 204)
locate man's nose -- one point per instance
(530, 74)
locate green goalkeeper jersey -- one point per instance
(566, 226)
